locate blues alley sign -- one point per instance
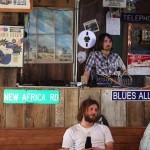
(135, 18)
(130, 95)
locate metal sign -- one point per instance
(135, 18)
(130, 95)
(21, 96)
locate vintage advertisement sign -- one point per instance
(15, 4)
(11, 46)
(130, 95)
(114, 3)
(19, 96)
(138, 64)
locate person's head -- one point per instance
(89, 110)
(105, 42)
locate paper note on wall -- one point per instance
(113, 26)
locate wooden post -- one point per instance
(8, 77)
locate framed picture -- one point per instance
(16, 5)
(11, 46)
(91, 25)
(49, 38)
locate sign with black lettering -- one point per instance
(136, 18)
(130, 95)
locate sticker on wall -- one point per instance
(86, 39)
(81, 57)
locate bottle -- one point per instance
(88, 143)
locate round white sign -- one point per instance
(87, 39)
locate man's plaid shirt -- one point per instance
(104, 65)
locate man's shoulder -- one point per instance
(95, 52)
(101, 126)
(114, 54)
(74, 127)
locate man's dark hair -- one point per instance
(83, 107)
(100, 40)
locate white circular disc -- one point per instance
(87, 39)
(81, 57)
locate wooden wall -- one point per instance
(89, 10)
(118, 113)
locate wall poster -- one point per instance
(138, 49)
(11, 46)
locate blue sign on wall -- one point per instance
(130, 95)
(21, 96)
(135, 18)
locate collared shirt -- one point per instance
(104, 65)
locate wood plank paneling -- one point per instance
(14, 116)
(71, 106)
(47, 74)
(59, 111)
(115, 112)
(89, 10)
(147, 113)
(125, 138)
(55, 3)
(37, 115)
(135, 113)
(120, 113)
(2, 110)
(86, 93)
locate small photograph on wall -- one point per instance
(91, 25)
(11, 46)
(114, 3)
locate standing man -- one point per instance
(103, 60)
(75, 136)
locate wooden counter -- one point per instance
(118, 113)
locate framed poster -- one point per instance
(138, 49)
(11, 46)
(16, 5)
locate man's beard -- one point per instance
(90, 120)
(107, 48)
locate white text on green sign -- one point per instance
(20, 96)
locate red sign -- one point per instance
(138, 64)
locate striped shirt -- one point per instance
(104, 65)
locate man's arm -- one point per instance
(86, 75)
(109, 146)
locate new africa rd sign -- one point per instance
(21, 96)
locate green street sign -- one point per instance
(21, 96)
